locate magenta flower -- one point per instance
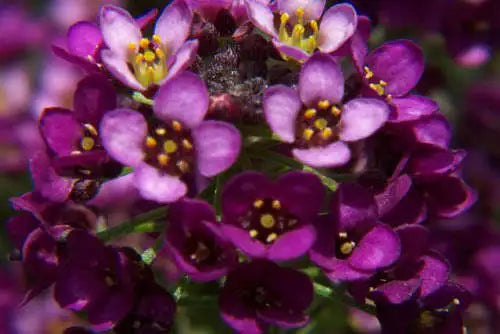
(177, 146)
(261, 293)
(196, 243)
(297, 34)
(313, 118)
(271, 219)
(139, 62)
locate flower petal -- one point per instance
(362, 117)
(84, 39)
(262, 17)
(94, 96)
(320, 79)
(291, 50)
(119, 29)
(117, 65)
(339, 270)
(217, 146)
(292, 244)
(173, 25)
(335, 154)
(183, 98)
(242, 240)
(123, 132)
(312, 8)
(337, 26)
(434, 273)
(60, 130)
(183, 59)
(412, 107)
(47, 182)
(281, 107)
(157, 186)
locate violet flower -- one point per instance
(297, 34)
(196, 243)
(258, 294)
(271, 219)
(313, 119)
(351, 245)
(138, 62)
(178, 145)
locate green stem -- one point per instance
(329, 292)
(138, 97)
(139, 224)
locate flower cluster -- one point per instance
(261, 145)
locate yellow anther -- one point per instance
(382, 83)
(456, 301)
(156, 39)
(307, 134)
(347, 247)
(258, 204)
(271, 237)
(187, 144)
(314, 26)
(368, 72)
(161, 131)
(320, 123)
(276, 204)
(162, 159)
(169, 146)
(267, 220)
(176, 125)
(90, 128)
(144, 43)
(132, 46)
(253, 233)
(149, 56)
(310, 113)
(326, 133)
(324, 104)
(377, 88)
(151, 142)
(87, 143)
(389, 97)
(336, 111)
(343, 235)
(284, 18)
(300, 12)
(298, 34)
(139, 58)
(183, 166)
(159, 53)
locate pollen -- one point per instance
(347, 247)
(320, 123)
(267, 220)
(151, 142)
(324, 104)
(253, 233)
(308, 133)
(382, 83)
(378, 88)
(368, 72)
(139, 58)
(336, 111)
(132, 46)
(187, 144)
(90, 128)
(271, 237)
(343, 235)
(258, 204)
(169, 146)
(156, 39)
(326, 133)
(314, 26)
(159, 53)
(456, 301)
(276, 204)
(177, 126)
(87, 143)
(183, 166)
(149, 56)
(310, 113)
(161, 131)
(163, 159)
(284, 18)
(144, 43)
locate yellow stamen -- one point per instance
(310, 113)
(276, 204)
(159, 53)
(307, 134)
(347, 247)
(187, 144)
(156, 39)
(377, 88)
(183, 166)
(314, 26)
(382, 83)
(267, 220)
(298, 34)
(161, 131)
(162, 159)
(87, 143)
(149, 56)
(139, 58)
(456, 301)
(323, 104)
(336, 110)
(326, 133)
(132, 46)
(300, 15)
(320, 123)
(253, 233)
(271, 237)
(282, 32)
(151, 142)
(144, 43)
(177, 126)
(368, 72)
(343, 235)
(284, 18)
(258, 204)
(90, 128)
(170, 146)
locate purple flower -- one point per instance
(258, 294)
(138, 62)
(313, 118)
(351, 245)
(196, 243)
(271, 219)
(175, 147)
(297, 34)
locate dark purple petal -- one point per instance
(362, 117)
(432, 160)
(61, 131)
(94, 96)
(76, 287)
(242, 240)
(434, 272)
(106, 312)
(84, 39)
(217, 146)
(352, 205)
(84, 63)
(46, 181)
(332, 155)
(396, 292)
(281, 107)
(435, 130)
(392, 194)
(19, 227)
(173, 25)
(449, 196)
(320, 79)
(337, 25)
(340, 270)
(292, 244)
(414, 240)
(412, 107)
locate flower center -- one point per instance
(202, 249)
(344, 246)
(318, 126)
(301, 34)
(90, 138)
(169, 147)
(266, 220)
(148, 61)
(377, 86)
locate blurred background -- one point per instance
(460, 39)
